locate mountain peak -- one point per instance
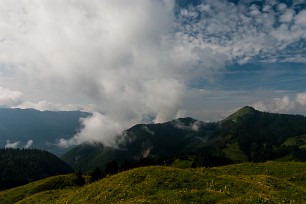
(246, 110)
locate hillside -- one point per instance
(45, 185)
(143, 141)
(271, 182)
(21, 166)
(246, 135)
(261, 136)
(43, 128)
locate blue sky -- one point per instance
(130, 61)
(289, 77)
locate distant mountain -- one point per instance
(21, 166)
(141, 141)
(246, 135)
(38, 129)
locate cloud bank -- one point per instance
(9, 98)
(91, 132)
(286, 104)
(48, 106)
(122, 55)
(248, 31)
(28, 144)
(17, 144)
(13, 145)
(134, 59)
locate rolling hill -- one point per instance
(246, 135)
(44, 185)
(271, 182)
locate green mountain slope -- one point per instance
(243, 112)
(272, 182)
(21, 166)
(155, 141)
(260, 135)
(45, 185)
(44, 128)
(246, 135)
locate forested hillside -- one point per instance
(246, 135)
(262, 136)
(21, 166)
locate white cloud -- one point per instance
(278, 105)
(195, 126)
(96, 128)
(287, 16)
(48, 106)
(246, 32)
(124, 56)
(9, 98)
(28, 144)
(13, 145)
(113, 52)
(281, 7)
(301, 98)
(17, 144)
(300, 19)
(286, 104)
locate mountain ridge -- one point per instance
(256, 135)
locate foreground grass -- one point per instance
(45, 185)
(271, 182)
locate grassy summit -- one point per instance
(271, 182)
(245, 111)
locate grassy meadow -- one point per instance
(270, 182)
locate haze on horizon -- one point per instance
(133, 61)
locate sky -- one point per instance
(150, 61)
